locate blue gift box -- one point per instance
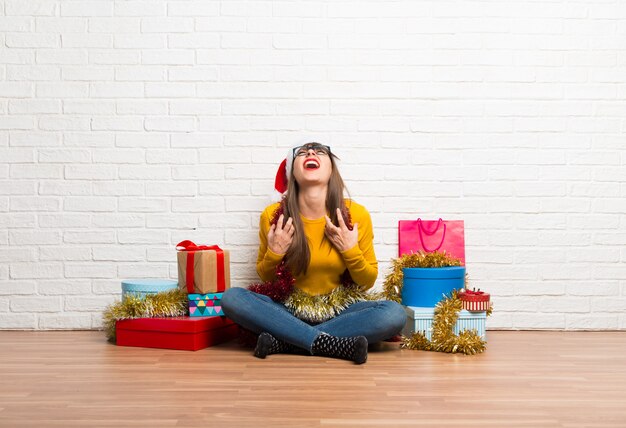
(425, 287)
(421, 319)
(144, 286)
(205, 305)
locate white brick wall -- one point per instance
(127, 126)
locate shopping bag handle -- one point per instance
(421, 229)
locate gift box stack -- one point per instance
(423, 288)
(204, 273)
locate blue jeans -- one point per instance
(376, 320)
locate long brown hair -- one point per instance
(298, 255)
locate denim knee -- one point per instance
(396, 315)
(230, 297)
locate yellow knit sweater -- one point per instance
(327, 263)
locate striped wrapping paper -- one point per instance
(474, 301)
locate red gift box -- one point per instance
(185, 333)
(474, 301)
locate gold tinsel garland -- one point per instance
(172, 303)
(323, 307)
(446, 312)
(175, 303)
(443, 337)
(393, 281)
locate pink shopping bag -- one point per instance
(432, 235)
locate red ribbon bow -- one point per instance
(191, 248)
(474, 292)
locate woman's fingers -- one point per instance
(279, 223)
(330, 225)
(281, 235)
(342, 224)
(288, 225)
(331, 233)
(287, 238)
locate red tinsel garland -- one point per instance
(278, 289)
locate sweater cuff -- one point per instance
(352, 253)
(273, 257)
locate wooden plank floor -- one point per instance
(525, 379)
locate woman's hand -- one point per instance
(279, 238)
(341, 237)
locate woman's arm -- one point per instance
(360, 259)
(267, 260)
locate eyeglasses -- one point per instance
(320, 150)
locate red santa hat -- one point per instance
(282, 175)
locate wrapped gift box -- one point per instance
(473, 300)
(144, 286)
(184, 333)
(203, 269)
(205, 305)
(421, 319)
